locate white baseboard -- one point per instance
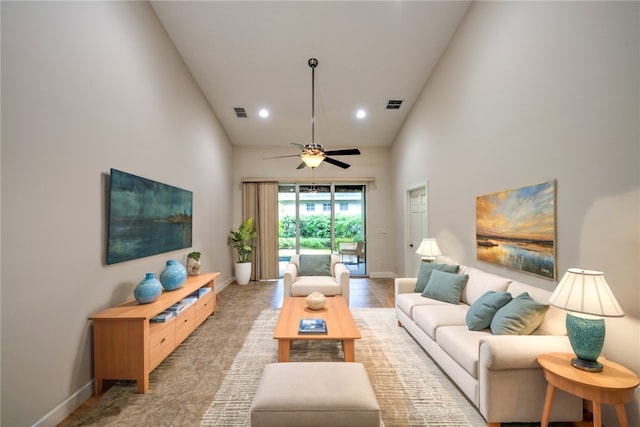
(64, 409)
(382, 275)
(221, 285)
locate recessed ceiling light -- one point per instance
(264, 113)
(361, 114)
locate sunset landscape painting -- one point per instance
(516, 229)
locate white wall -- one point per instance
(528, 92)
(373, 162)
(87, 86)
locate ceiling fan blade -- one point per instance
(337, 163)
(302, 165)
(300, 146)
(280, 157)
(348, 152)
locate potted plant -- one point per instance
(243, 241)
(193, 263)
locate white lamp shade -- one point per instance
(429, 248)
(586, 291)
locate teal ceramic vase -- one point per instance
(173, 276)
(148, 290)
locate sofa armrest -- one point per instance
(502, 352)
(405, 285)
(343, 275)
(290, 276)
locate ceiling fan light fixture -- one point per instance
(312, 159)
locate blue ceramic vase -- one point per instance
(173, 276)
(148, 290)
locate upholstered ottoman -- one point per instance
(304, 394)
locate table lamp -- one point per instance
(587, 298)
(429, 250)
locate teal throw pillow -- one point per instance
(445, 286)
(425, 273)
(315, 265)
(481, 312)
(521, 316)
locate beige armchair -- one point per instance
(298, 284)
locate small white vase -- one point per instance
(243, 272)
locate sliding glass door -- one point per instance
(325, 218)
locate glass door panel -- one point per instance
(315, 218)
(349, 227)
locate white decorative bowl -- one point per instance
(315, 301)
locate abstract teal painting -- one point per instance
(517, 229)
(146, 217)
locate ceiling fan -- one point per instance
(314, 154)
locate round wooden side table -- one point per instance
(614, 385)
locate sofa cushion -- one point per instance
(408, 302)
(425, 273)
(554, 322)
(315, 265)
(430, 318)
(326, 285)
(445, 286)
(481, 312)
(521, 316)
(480, 282)
(462, 345)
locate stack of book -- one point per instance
(178, 307)
(163, 317)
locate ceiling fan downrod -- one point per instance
(313, 63)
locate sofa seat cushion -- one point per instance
(407, 302)
(304, 285)
(480, 282)
(462, 345)
(433, 317)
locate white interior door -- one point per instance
(417, 228)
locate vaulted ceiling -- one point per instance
(254, 55)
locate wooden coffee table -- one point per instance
(340, 325)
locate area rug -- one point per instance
(411, 389)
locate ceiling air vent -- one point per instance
(394, 104)
(240, 112)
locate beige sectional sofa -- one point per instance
(498, 373)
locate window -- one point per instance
(310, 207)
(344, 207)
(326, 207)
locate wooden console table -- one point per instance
(614, 385)
(128, 346)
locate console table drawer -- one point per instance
(185, 323)
(165, 343)
(161, 332)
(204, 307)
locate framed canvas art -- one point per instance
(146, 217)
(517, 229)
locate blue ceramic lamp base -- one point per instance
(586, 336)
